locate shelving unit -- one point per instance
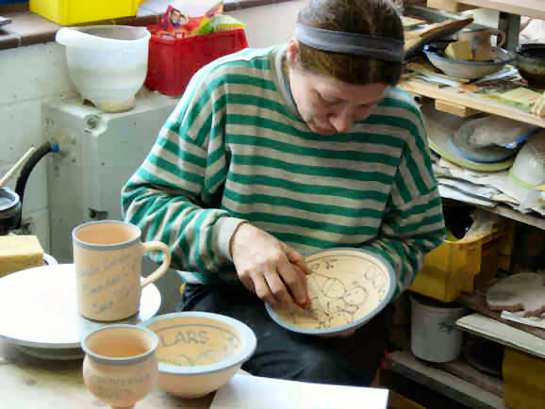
(530, 8)
(457, 380)
(468, 392)
(451, 96)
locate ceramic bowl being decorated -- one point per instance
(464, 69)
(199, 352)
(347, 287)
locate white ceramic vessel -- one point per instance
(199, 352)
(108, 64)
(347, 287)
(120, 367)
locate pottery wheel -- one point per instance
(38, 308)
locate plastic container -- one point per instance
(434, 336)
(462, 266)
(523, 386)
(68, 12)
(107, 64)
(173, 61)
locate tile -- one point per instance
(33, 72)
(21, 128)
(38, 224)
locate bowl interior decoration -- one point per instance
(347, 287)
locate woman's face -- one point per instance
(327, 105)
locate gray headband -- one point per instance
(382, 48)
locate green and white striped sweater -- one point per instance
(235, 149)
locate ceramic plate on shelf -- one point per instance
(347, 287)
(439, 130)
(39, 311)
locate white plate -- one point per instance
(38, 309)
(347, 288)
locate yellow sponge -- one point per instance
(19, 252)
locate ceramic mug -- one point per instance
(108, 260)
(120, 366)
(480, 40)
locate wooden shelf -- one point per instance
(529, 219)
(453, 96)
(476, 301)
(530, 8)
(504, 334)
(436, 377)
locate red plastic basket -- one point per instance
(173, 61)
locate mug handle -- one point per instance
(162, 269)
(501, 37)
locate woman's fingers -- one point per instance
(296, 258)
(246, 280)
(295, 281)
(262, 289)
(278, 288)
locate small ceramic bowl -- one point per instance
(528, 170)
(347, 287)
(199, 352)
(531, 64)
(469, 70)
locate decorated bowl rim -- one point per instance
(247, 336)
(356, 323)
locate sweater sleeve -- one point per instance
(174, 195)
(413, 223)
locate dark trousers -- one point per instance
(286, 355)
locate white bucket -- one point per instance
(434, 336)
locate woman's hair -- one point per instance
(371, 17)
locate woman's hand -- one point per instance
(269, 268)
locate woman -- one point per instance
(277, 153)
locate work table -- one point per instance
(28, 382)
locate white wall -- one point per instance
(268, 25)
(33, 74)
(29, 76)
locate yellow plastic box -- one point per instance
(463, 265)
(70, 12)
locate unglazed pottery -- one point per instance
(199, 352)
(120, 367)
(347, 287)
(108, 259)
(465, 69)
(480, 40)
(524, 292)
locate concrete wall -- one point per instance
(33, 74)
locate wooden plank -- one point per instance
(454, 109)
(530, 8)
(464, 392)
(468, 100)
(470, 374)
(501, 333)
(476, 301)
(529, 219)
(448, 5)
